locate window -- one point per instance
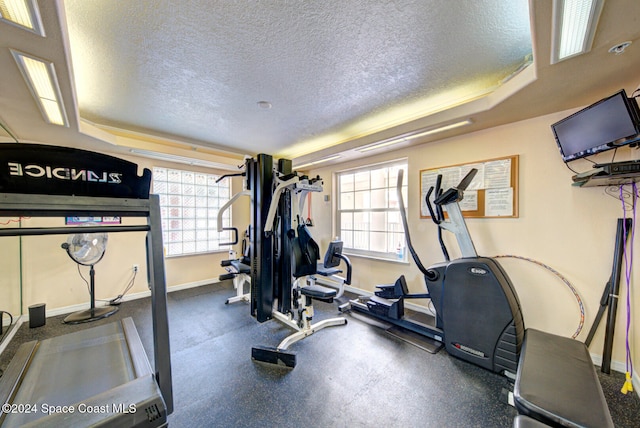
(189, 204)
(368, 216)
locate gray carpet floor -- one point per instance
(355, 375)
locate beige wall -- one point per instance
(50, 276)
(10, 277)
(570, 229)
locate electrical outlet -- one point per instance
(135, 268)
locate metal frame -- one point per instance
(259, 182)
(458, 227)
(64, 206)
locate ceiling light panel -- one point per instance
(183, 159)
(416, 134)
(319, 161)
(574, 27)
(24, 13)
(41, 80)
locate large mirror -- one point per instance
(10, 280)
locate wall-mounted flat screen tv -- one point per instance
(611, 122)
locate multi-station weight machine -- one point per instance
(283, 255)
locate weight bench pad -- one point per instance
(240, 267)
(321, 270)
(557, 383)
(319, 292)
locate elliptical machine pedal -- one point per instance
(397, 290)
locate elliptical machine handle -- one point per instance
(455, 194)
(437, 214)
(434, 217)
(405, 224)
(439, 192)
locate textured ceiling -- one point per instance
(340, 74)
(198, 69)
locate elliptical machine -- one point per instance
(478, 315)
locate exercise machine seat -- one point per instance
(241, 267)
(321, 270)
(319, 292)
(557, 383)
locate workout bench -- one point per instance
(239, 273)
(557, 385)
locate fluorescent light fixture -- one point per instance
(574, 27)
(183, 159)
(41, 80)
(381, 144)
(23, 13)
(327, 159)
(416, 134)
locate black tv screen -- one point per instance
(607, 124)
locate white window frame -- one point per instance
(189, 204)
(361, 222)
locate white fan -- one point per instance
(87, 249)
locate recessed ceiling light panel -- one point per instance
(415, 134)
(24, 13)
(182, 159)
(319, 161)
(574, 27)
(41, 80)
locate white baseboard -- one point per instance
(17, 323)
(617, 366)
(191, 285)
(74, 308)
(6, 320)
(134, 296)
(620, 367)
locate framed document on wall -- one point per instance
(493, 193)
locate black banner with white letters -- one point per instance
(53, 170)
